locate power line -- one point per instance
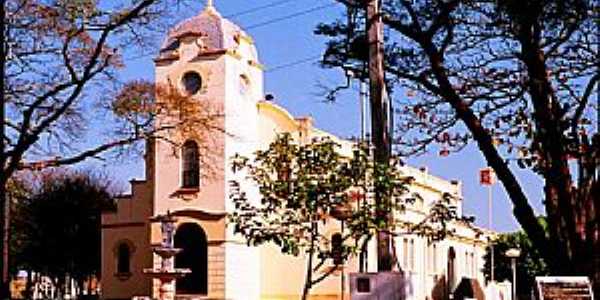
(279, 19)
(251, 10)
(261, 24)
(296, 14)
(291, 64)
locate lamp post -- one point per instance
(513, 254)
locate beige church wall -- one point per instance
(168, 162)
(283, 276)
(273, 121)
(345, 148)
(115, 287)
(214, 229)
(129, 223)
(431, 188)
(136, 207)
(170, 195)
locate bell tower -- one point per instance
(215, 64)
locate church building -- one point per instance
(216, 63)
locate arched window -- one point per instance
(123, 258)
(191, 165)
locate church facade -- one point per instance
(215, 62)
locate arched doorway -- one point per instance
(451, 272)
(194, 256)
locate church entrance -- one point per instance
(194, 256)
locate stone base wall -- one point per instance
(216, 270)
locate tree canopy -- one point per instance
(306, 189)
(56, 225)
(519, 79)
(60, 79)
(529, 264)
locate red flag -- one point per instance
(487, 176)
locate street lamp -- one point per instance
(513, 254)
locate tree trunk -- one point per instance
(522, 210)
(571, 210)
(5, 238)
(309, 265)
(4, 232)
(586, 257)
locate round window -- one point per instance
(192, 82)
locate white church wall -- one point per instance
(243, 85)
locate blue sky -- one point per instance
(297, 89)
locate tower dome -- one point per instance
(214, 31)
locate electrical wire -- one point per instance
(252, 10)
(294, 15)
(291, 64)
(261, 24)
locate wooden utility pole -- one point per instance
(379, 124)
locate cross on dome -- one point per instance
(210, 7)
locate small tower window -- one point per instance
(244, 84)
(191, 165)
(123, 259)
(191, 82)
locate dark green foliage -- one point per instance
(57, 227)
(529, 265)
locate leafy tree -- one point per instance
(305, 187)
(18, 191)
(518, 78)
(529, 265)
(59, 66)
(59, 225)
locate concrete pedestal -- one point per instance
(377, 286)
